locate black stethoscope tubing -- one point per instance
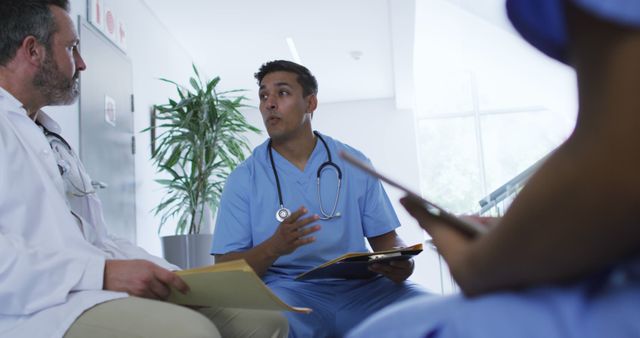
(48, 133)
(283, 212)
(63, 169)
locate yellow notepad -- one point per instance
(231, 284)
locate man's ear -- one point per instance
(32, 51)
(312, 104)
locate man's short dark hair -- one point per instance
(22, 18)
(305, 78)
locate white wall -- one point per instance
(155, 54)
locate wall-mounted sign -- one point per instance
(96, 16)
(122, 35)
(108, 22)
(110, 112)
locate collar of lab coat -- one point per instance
(9, 103)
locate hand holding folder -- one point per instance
(355, 265)
(231, 284)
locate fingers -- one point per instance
(300, 241)
(300, 236)
(392, 266)
(180, 284)
(141, 278)
(301, 225)
(296, 228)
(294, 232)
(158, 290)
(416, 209)
(295, 215)
(302, 231)
(171, 279)
(489, 222)
(160, 284)
(397, 271)
(432, 224)
(403, 265)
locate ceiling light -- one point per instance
(294, 51)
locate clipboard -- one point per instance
(469, 228)
(355, 265)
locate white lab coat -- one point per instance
(51, 263)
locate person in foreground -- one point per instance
(299, 168)
(61, 274)
(563, 261)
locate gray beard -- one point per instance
(56, 89)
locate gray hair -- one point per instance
(23, 18)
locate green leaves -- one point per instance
(201, 141)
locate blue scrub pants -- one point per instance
(589, 309)
(338, 306)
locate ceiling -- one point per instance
(357, 49)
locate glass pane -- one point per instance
(446, 92)
(463, 62)
(449, 170)
(513, 142)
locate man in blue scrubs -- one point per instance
(564, 261)
(327, 219)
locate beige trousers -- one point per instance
(145, 318)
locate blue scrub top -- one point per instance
(246, 215)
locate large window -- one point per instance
(488, 105)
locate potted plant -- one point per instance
(200, 141)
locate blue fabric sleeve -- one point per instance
(232, 230)
(378, 215)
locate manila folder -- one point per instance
(231, 284)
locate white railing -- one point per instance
(496, 203)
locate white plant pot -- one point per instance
(188, 251)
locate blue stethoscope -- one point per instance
(283, 212)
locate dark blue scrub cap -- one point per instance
(542, 22)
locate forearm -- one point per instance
(577, 215)
(260, 257)
(386, 241)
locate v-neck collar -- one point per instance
(287, 169)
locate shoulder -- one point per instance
(338, 146)
(243, 173)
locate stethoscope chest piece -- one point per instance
(282, 213)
